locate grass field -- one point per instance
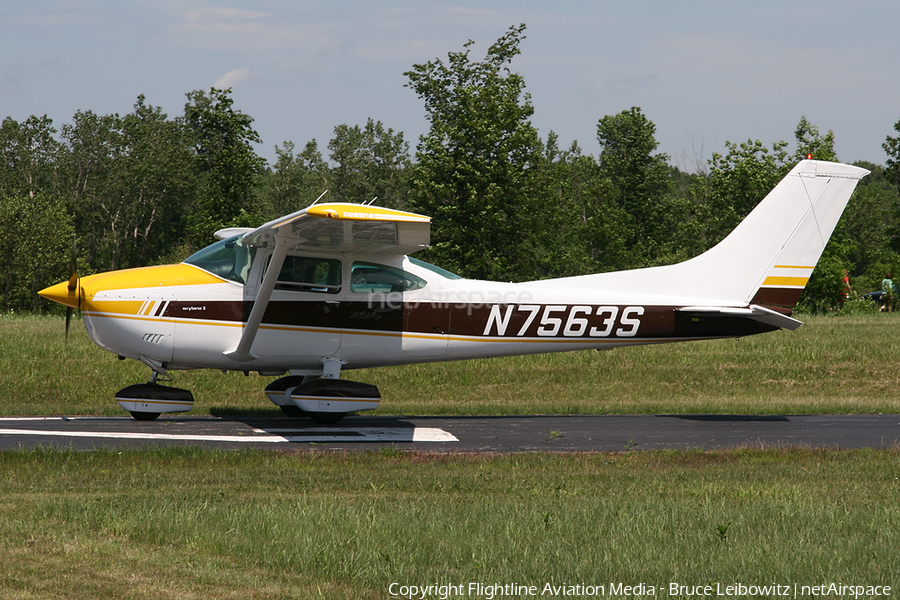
(192, 524)
(831, 365)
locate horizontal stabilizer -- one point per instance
(754, 312)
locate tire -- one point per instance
(292, 411)
(144, 416)
(326, 418)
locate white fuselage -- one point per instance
(184, 317)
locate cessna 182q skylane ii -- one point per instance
(332, 287)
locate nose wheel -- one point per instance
(146, 401)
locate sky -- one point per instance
(703, 71)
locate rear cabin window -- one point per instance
(370, 278)
(310, 274)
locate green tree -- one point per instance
(296, 181)
(891, 146)
(369, 162)
(93, 145)
(583, 232)
(475, 170)
(35, 245)
(639, 181)
(737, 182)
(29, 153)
(129, 180)
(811, 143)
(867, 238)
(227, 164)
(156, 180)
(691, 195)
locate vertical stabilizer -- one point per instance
(827, 188)
(767, 259)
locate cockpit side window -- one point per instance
(310, 274)
(370, 278)
(229, 259)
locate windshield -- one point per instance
(229, 259)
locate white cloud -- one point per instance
(232, 78)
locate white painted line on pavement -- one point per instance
(359, 434)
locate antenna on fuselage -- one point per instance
(319, 198)
(369, 203)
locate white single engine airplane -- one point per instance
(331, 287)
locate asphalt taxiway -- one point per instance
(529, 433)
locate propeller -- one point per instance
(74, 286)
(70, 293)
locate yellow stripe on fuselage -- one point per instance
(148, 277)
(99, 301)
(116, 307)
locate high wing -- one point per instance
(335, 227)
(343, 228)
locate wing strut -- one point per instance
(242, 352)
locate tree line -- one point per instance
(145, 188)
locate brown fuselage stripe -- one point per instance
(487, 320)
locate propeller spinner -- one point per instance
(67, 292)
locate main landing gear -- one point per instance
(325, 399)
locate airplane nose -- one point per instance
(60, 293)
